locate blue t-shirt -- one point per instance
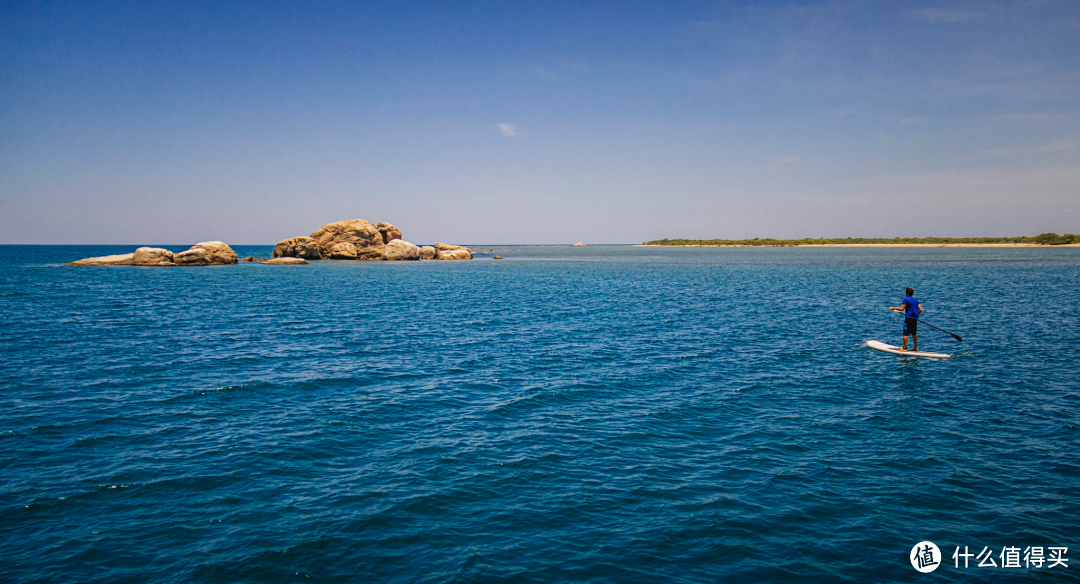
(911, 307)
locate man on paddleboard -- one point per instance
(912, 309)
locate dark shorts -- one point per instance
(911, 325)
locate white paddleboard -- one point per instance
(880, 346)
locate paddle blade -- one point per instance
(957, 337)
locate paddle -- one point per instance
(954, 335)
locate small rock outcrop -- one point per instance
(123, 259)
(452, 252)
(297, 247)
(455, 254)
(152, 256)
(388, 231)
(427, 253)
(579, 244)
(252, 259)
(498, 257)
(400, 250)
(207, 253)
(364, 236)
(343, 251)
(285, 261)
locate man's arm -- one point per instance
(920, 308)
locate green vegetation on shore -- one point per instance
(1042, 239)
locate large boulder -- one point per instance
(343, 251)
(445, 251)
(455, 254)
(123, 259)
(400, 250)
(363, 235)
(427, 253)
(388, 231)
(207, 253)
(297, 247)
(285, 262)
(152, 256)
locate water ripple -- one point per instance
(598, 415)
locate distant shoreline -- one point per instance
(865, 245)
(1040, 240)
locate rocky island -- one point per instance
(354, 239)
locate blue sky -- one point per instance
(545, 122)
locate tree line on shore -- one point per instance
(1041, 239)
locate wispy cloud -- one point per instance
(547, 74)
(785, 161)
(940, 15)
(508, 129)
(1055, 147)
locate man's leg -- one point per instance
(915, 339)
(905, 342)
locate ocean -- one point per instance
(598, 414)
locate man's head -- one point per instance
(909, 291)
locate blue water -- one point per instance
(606, 414)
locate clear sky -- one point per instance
(537, 122)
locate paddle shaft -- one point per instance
(953, 335)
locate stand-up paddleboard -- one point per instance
(880, 346)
